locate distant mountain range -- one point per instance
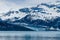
(44, 15)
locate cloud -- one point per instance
(6, 6)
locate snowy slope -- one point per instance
(13, 15)
(41, 11)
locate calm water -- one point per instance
(30, 35)
(28, 38)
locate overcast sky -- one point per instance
(6, 5)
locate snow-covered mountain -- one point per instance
(44, 14)
(41, 11)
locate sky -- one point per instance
(6, 5)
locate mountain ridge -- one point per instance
(43, 14)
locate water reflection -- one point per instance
(28, 37)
